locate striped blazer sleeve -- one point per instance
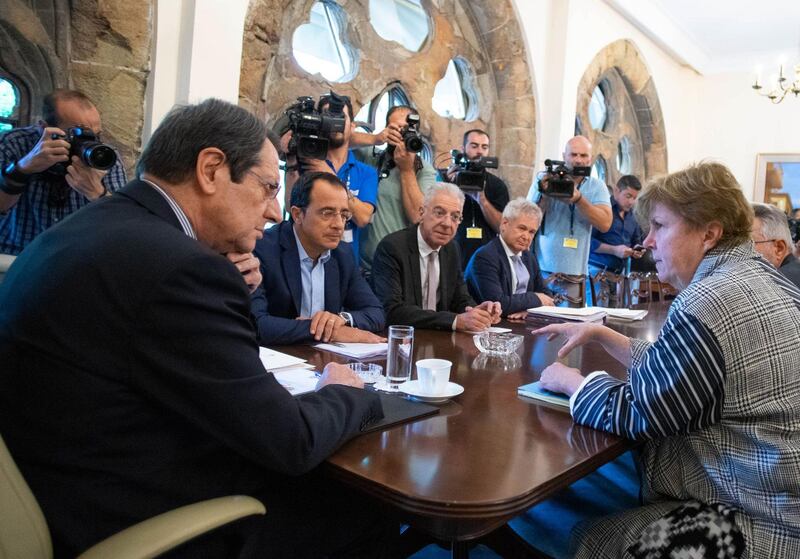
(675, 387)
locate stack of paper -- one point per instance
(297, 381)
(276, 361)
(561, 314)
(534, 390)
(625, 314)
(355, 350)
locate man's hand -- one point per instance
(577, 334)
(545, 300)
(324, 325)
(518, 316)
(623, 251)
(84, 179)
(336, 373)
(404, 158)
(315, 165)
(249, 266)
(493, 308)
(46, 153)
(560, 378)
(473, 320)
(348, 334)
(451, 173)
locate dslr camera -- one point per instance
(560, 183)
(85, 144)
(411, 140)
(471, 174)
(312, 128)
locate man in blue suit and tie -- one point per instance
(505, 269)
(312, 287)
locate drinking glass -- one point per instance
(398, 360)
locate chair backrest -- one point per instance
(23, 529)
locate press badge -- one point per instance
(474, 233)
(570, 242)
(347, 236)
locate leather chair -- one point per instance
(24, 533)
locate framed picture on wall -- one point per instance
(778, 180)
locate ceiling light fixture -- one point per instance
(781, 87)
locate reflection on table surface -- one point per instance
(490, 453)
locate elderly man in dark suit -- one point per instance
(312, 287)
(417, 271)
(131, 382)
(505, 270)
(773, 240)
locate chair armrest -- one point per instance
(159, 534)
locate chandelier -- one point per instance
(781, 87)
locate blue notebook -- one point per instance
(534, 390)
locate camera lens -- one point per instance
(413, 143)
(99, 156)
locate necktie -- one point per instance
(433, 282)
(522, 274)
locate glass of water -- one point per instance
(399, 359)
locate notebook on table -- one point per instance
(535, 391)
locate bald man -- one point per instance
(565, 234)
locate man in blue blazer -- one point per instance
(312, 288)
(505, 269)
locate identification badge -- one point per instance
(474, 233)
(347, 236)
(570, 242)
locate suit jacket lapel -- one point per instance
(290, 262)
(332, 288)
(504, 265)
(448, 260)
(413, 265)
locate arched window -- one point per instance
(403, 21)
(455, 95)
(9, 104)
(320, 45)
(598, 109)
(624, 156)
(600, 169)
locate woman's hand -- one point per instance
(560, 378)
(577, 334)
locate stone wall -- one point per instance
(485, 34)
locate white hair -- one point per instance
(444, 188)
(774, 224)
(519, 206)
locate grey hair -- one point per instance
(445, 188)
(519, 206)
(774, 224)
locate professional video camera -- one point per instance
(312, 128)
(85, 144)
(471, 174)
(559, 179)
(411, 139)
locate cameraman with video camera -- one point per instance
(572, 203)
(51, 170)
(486, 195)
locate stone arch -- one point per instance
(488, 35)
(634, 110)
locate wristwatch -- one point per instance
(12, 180)
(348, 318)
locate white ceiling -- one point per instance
(715, 36)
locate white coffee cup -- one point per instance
(433, 375)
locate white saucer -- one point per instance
(414, 389)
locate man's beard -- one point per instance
(336, 141)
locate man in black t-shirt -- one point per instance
(482, 210)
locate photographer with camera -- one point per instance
(572, 203)
(407, 178)
(51, 170)
(486, 194)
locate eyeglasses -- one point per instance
(441, 213)
(767, 241)
(271, 189)
(327, 214)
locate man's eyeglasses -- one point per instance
(767, 241)
(327, 214)
(440, 213)
(271, 189)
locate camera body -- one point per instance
(412, 140)
(312, 128)
(85, 144)
(560, 183)
(471, 174)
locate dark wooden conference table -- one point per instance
(489, 454)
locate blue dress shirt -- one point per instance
(624, 231)
(312, 277)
